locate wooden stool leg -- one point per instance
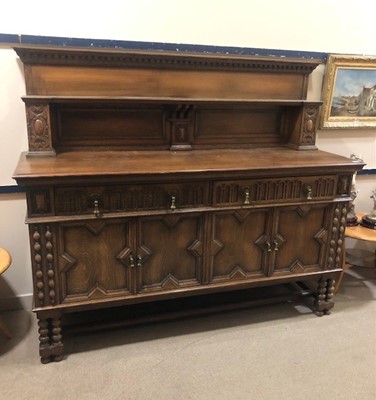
(5, 261)
(339, 280)
(344, 268)
(5, 330)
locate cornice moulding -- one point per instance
(33, 55)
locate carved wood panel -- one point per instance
(94, 259)
(120, 125)
(310, 121)
(170, 251)
(299, 242)
(300, 126)
(79, 200)
(39, 128)
(237, 245)
(43, 259)
(267, 190)
(182, 125)
(236, 126)
(39, 201)
(337, 235)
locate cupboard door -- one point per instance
(239, 245)
(169, 252)
(300, 241)
(94, 259)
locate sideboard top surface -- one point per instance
(273, 161)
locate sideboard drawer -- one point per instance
(137, 197)
(251, 191)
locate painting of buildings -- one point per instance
(354, 93)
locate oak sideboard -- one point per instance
(158, 175)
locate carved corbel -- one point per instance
(303, 136)
(39, 129)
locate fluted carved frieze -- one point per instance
(232, 192)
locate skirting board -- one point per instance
(24, 302)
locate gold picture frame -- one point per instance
(349, 92)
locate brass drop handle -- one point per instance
(269, 247)
(139, 261)
(246, 196)
(307, 191)
(131, 260)
(173, 202)
(97, 213)
(275, 245)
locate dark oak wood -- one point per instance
(276, 161)
(162, 176)
(79, 98)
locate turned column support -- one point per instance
(51, 347)
(324, 297)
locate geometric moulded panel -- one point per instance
(92, 261)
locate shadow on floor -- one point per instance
(19, 323)
(358, 285)
(357, 289)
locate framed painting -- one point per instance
(349, 92)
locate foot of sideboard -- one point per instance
(51, 347)
(324, 298)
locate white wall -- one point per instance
(13, 134)
(319, 25)
(16, 281)
(336, 26)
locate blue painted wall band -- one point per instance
(155, 46)
(11, 189)
(367, 172)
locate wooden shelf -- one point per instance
(164, 100)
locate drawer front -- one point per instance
(251, 191)
(170, 196)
